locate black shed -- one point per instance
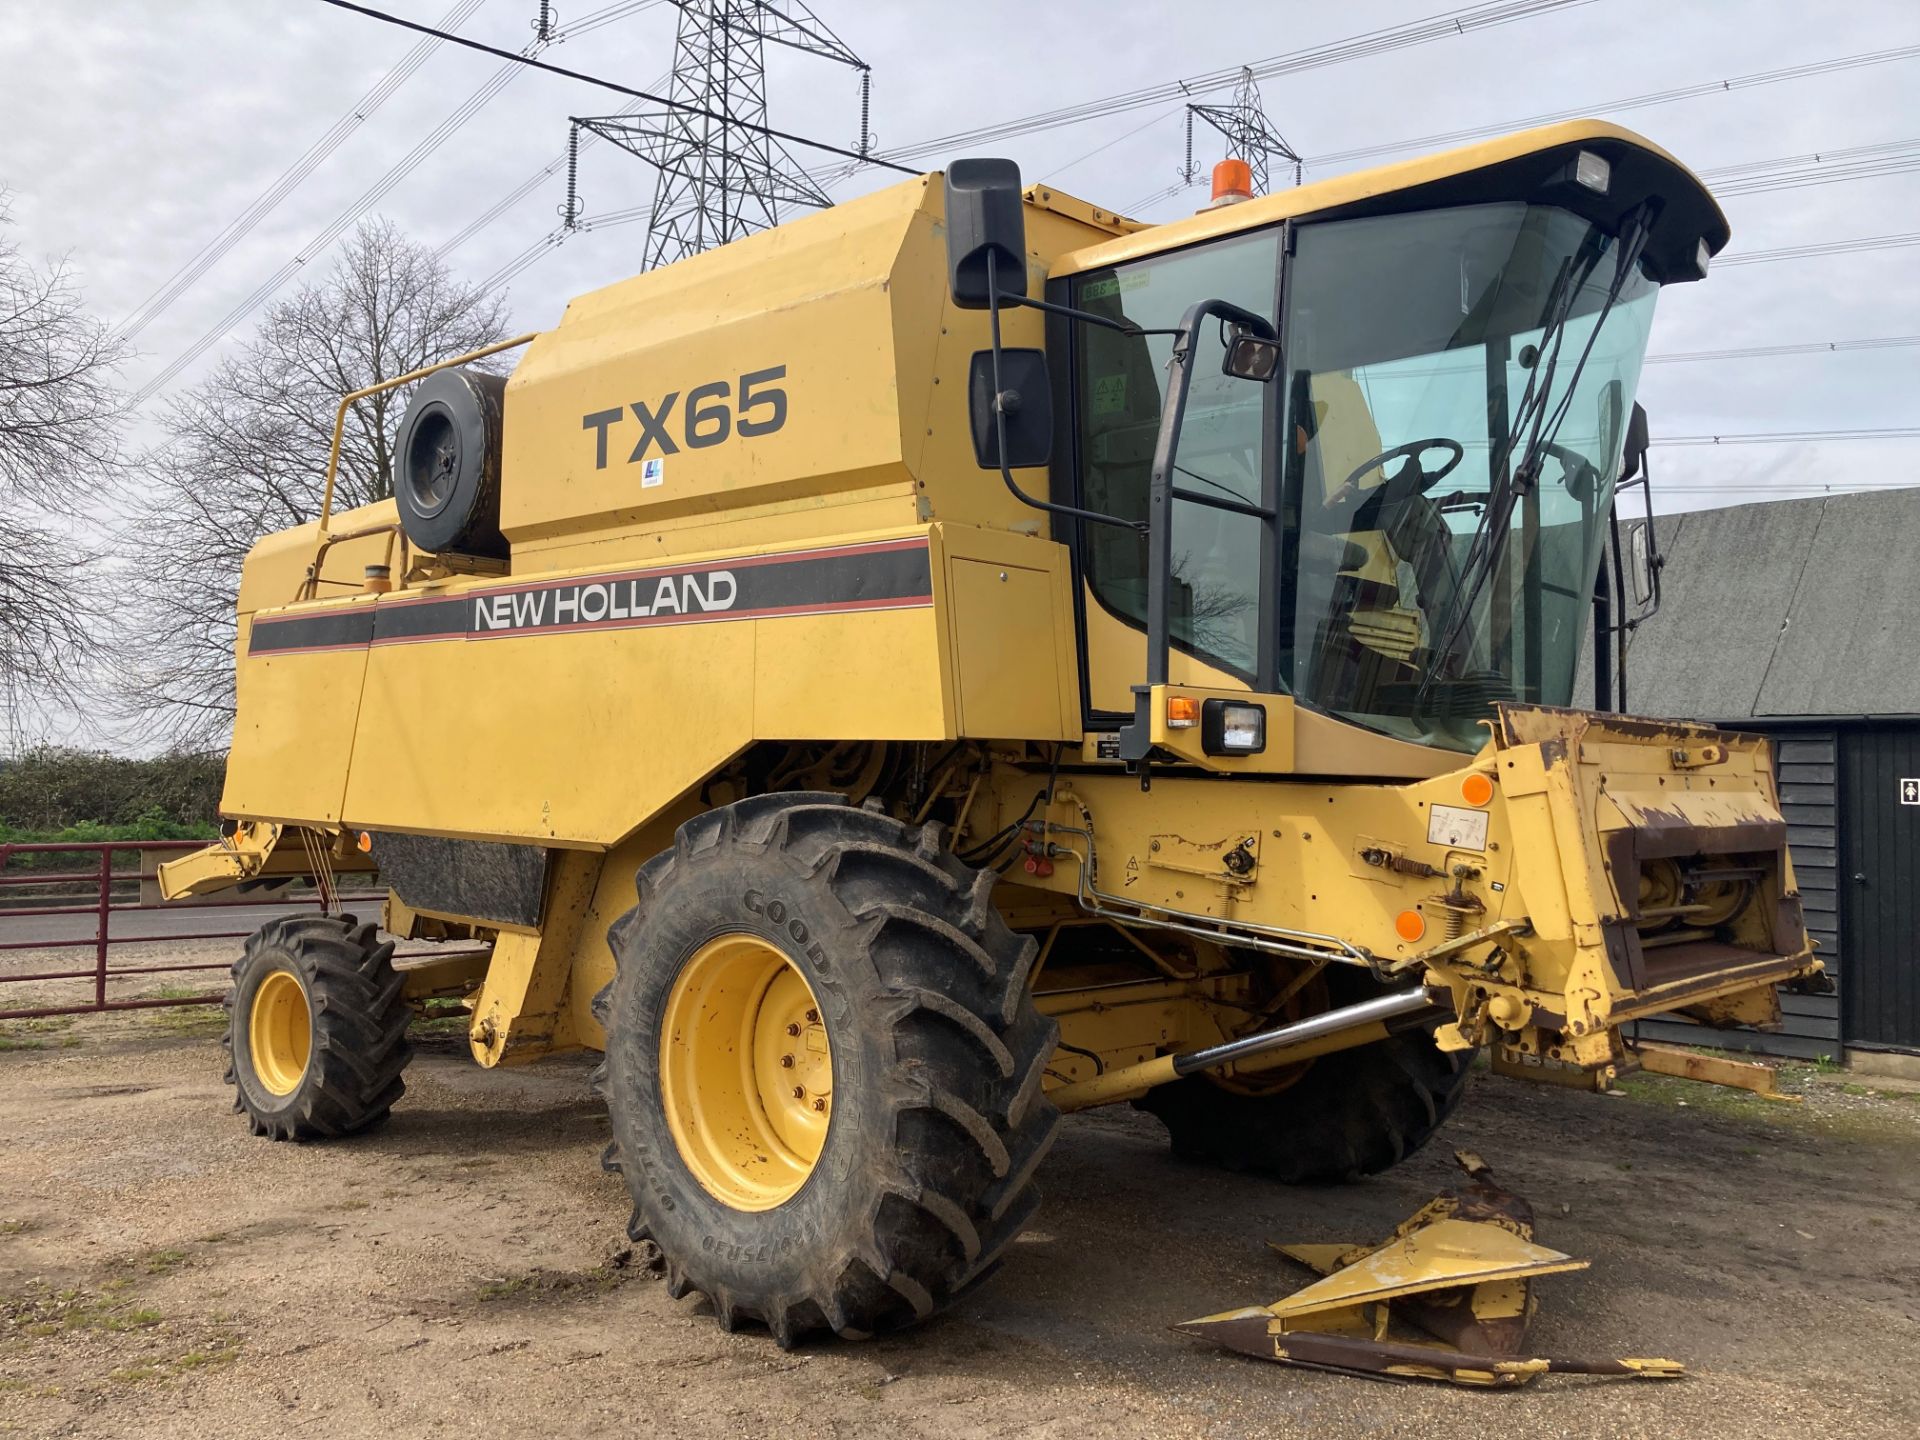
(1796, 619)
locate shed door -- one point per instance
(1880, 885)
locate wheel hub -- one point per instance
(280, 1032)
(746, 1072)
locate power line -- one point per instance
(333, 230)
(765, 130)
(513, 197)
(216, 249)
(482, 96)
(1790, 488)
(1632, 102)
(1807, 252)
(1794, 437)
(1862, 162)
(1810, 347)
(1054, 172)
(1444, 25)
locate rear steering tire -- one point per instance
(316, 1028)
(859, 1178)
(1351, 1113)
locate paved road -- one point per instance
(167, 922)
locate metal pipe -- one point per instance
(1368, 1012)
(1358, 1024)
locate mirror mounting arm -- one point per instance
(1004, 400)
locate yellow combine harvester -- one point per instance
(965, 656)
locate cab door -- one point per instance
(1224, 561)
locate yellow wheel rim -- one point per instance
(280, 1032)
(746, 1074)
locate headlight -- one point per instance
(1233, 727)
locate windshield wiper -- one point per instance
(1494, 530)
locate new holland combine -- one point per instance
(965, 656)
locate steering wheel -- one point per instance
(1412, 451)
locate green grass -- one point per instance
(35, 1034)
(88, 832)
(1863, 1123)
(42, 1312)
(159, 1262)
(15, 1227)
(441, 1017)
(188, 1020)
(536, 1284)
(225, 1351)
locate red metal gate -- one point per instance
(95, 873)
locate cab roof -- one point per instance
(1529, 164)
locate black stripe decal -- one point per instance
(890, 575)
(338, 631)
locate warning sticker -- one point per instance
(1109, 395)
(1457, 828)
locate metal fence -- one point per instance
(89, 889)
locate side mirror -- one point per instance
(1641, 562)
(1633, 455)
(985, 218)
(1250, 357)
(1027, 402)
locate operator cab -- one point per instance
(1402, 526)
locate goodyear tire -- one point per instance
(1351, 1113)
(924, 1079)
(446, 476)
(316, 1028)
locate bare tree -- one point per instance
(246, 454)
(59, 414)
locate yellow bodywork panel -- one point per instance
(295, 719)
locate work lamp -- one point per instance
(1233, 727)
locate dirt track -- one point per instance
(163, 1274)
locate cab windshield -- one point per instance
(1444, 478)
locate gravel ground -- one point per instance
(164, 1274)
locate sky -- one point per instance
(135, 130)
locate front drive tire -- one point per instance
(316, 1028)
(1351, 1113)
(932, 1120)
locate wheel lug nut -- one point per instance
(793, 1029)
(813, 1017)
(786, 1062)
(820, 1105)
(799, 1092)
